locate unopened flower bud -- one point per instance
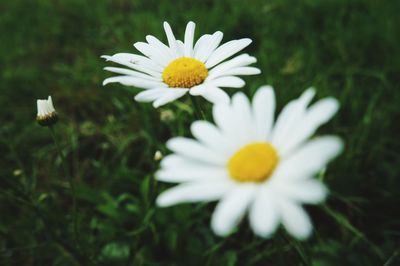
(47, 115)
(158, 156)
(167, 115)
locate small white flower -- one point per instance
(46, 114)
(169, 72)
(252, 165)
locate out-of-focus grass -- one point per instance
(347, 49)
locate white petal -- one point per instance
(225, 119)
(40, 108)
(195, 150)
(215, 96)
(245, 131)
(264, 214)
(212, 94)
(198, 90)
(212, 137)
(288, 118)
(192, 172)
(295, 219)
(235, 121)
(227, 81)
(242, 71)
(180, 48)
(174, 94)
(231, 209)
(310, 158)
(137, 62)
(203, 41)
(132, 73)
(189, 35)
(162, 48)
(177, 169)
(204, 51)
(318, 114)
(170, 36)
(50, 104)
(150, 51)
(226, 50)
(308, 191)
(136, 82)
(263, 112)
(151, 95)
(193, 192)
(174, 160)
(238, 61)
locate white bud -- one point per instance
(46, 114)
(158, 156)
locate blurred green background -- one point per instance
(347, 49)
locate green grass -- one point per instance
(346, 49)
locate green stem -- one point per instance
(71, 183)
(343, 221)
(198, 112)
(27, 201)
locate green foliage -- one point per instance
(346, 49)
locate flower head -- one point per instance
(252, 165)
(46, 115)
(169, 72)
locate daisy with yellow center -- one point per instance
(252, 165)
(166, 73)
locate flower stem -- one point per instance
(71, 183)
(198, 112)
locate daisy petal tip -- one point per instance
(162, 201)
(339, 145)
(224, 101)
(304, 235)
(239, 96)
(248, 41)
(106, 57)
(324, 195)
(220, 230)
(219, 34)
(334, 104)
(194, 92)
(137, 98)
(240, 83)
(172, 143)
(262, 234)
(336, 144)
(158, 175)
(265, 88)
(311, 90)
(194, 126)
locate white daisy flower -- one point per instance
(46, 114)
(252, 165)
(169, 72)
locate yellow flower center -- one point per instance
(253, 163)
(184, 72)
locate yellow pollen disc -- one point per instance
(253, 163)
(184, 72)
